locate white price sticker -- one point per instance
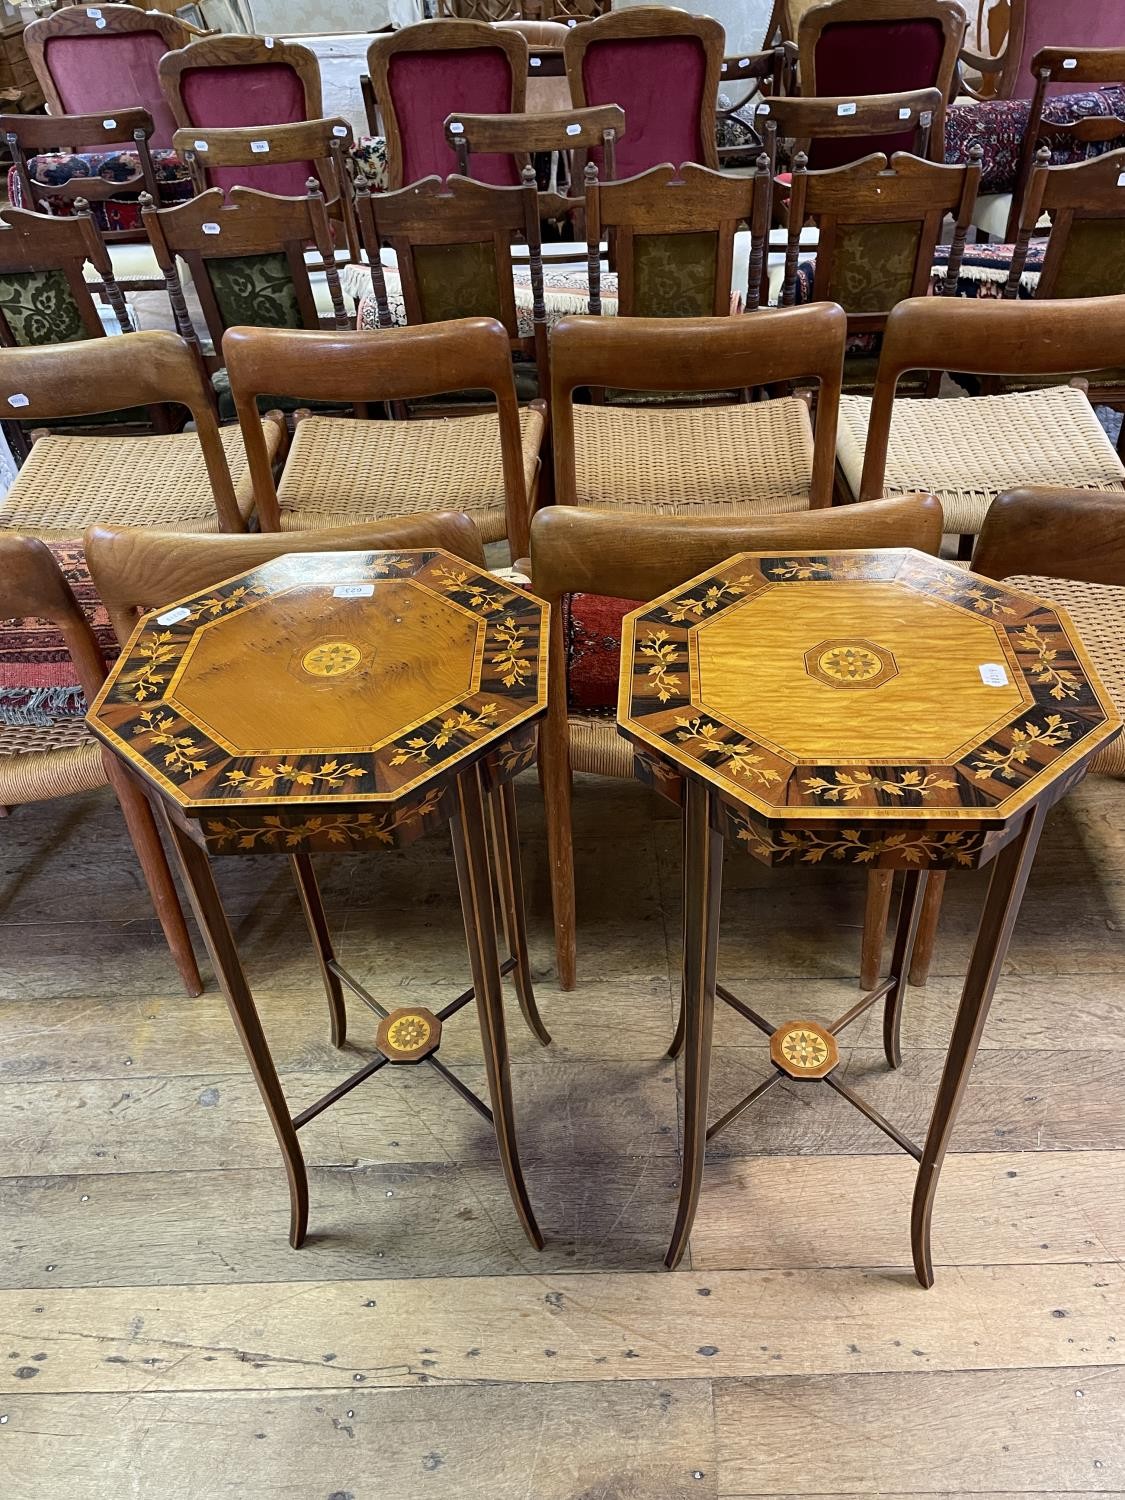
(339, 131)
(763, 109)
(210, 228)
(536, 62)
(202, 146)
(743, 62)
(174, 616)
(18, 400)
(904, 114)
(353, 591)
(456, 128)
(845, 109)
(109, 124)
(723, 68)
(93, 12)
(574, 130)
(1070, 62)
(259, 146)
(268, 40)
(1121, 179)
(99, 25)
(992, 674)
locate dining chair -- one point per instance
(1068, 546)
(1033, 25)
(970, 450)
(547, 86)
(855, 47)
(673, 234)
(421, 73)
(835, 132)
(97, 60)
(737, 458)
(233, 80)
(47, 634)
(452, 243)
(572, 133)
(662, 67)
(193, 481)
(878, 224)
(594, 566)
(763, 75)
(340, 469)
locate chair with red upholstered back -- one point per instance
(246, 80)
(94, 61)
(662, 67)
(853, 47)
(422, 73)
(1035, 24)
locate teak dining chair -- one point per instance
(194, 481)
(1068, 546)
(339, 469)
(420, 73)
(746, 458)
(628, 559)
(673, 232)
(662, 67)
(61, 759)
(970, 450)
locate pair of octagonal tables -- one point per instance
(880, 709)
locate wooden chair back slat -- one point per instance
(1054, 533)
(806, 122)
(34, 245)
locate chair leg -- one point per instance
(554, 777)
(965, 547)
(875, 916)
(157, 874)
(927, 929)
(1121, 437)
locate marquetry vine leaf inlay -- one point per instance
(467, 589)
(662, 654)
(225, 604)
(509, 660)
(849, 786)
(1061, 682)
(719, 594)
(860, 848)
(799, 571)
(420, 747)
(148, 676)
(736, 759)
(1054, 731)
(329, 773)
(184, 755)
(341, 830)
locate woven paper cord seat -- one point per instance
(705, 460)
(69, 483)
(970, 449)
(340, 470)
(596, 746)
(36, 764)
(1099, 612)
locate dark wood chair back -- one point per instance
(773, 347)
(673, 236)
(878, 47)
(420, 73)
(44, 295)
(661, 66)
(574, 132)
(1085, 254)
(986, 337)
(836, 132)
(879, 223)
(32, 586)
(246, 254)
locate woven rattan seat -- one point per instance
(754, 458)
(340, 471)
(36, 764)
(969, 450)
(1099, 612)
(69, 483)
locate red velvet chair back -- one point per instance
(426, 86)
(95, 73)
(1050, 23)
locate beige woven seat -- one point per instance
(53, 762)
(971, 449)
(755, 458)
(69, 482)
(339, 470)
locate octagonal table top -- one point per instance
(325, 680)
(864, 687)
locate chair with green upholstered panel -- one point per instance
(879, 222)
(452, 242)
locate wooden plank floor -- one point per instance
(158, 1338)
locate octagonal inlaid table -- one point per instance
(346, 701)
(881, 709)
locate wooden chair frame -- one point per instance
(401, 364)
(232, 51)
(76, 20)
(1008, 64)
(438, 36)
(40, 242)
(948, 13)
(771, 73)
(325, 143)
(685, 200)
(458, 211)
(773, 347)
(31, 584)
(99, 375)
(245, 222)
(877, 191)
(28, 135)
(985, 337)
(803, 121)
(573, 132)
(629, 556)
(647, 21)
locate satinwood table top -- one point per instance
(840, 691)
(323, 682)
